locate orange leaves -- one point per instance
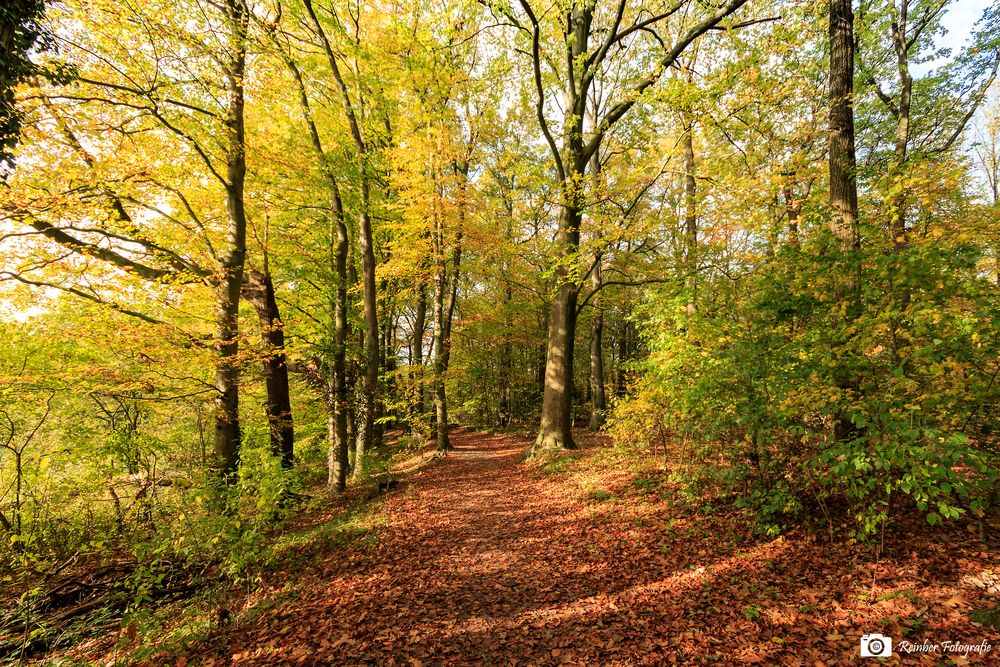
(486, 561)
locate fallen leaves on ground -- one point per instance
(484, 560)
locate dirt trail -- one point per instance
(484, 560)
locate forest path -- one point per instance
(483, 560)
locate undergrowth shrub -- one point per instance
(747, 390)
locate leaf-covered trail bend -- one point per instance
(483, 560)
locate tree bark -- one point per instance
(690, 222)
(258, 289)
(897, 202)
(366, 418)
(555, 431)
(843, 186)
(843, 167)
(338, 445)
(227, 402)
(417, 353)
(598, 399)
(440, 397)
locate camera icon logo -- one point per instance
(876, 646)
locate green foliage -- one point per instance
(751, 612)
(989, 617)
(753, 384)
(775, 509)
(20, 31)
(556, 463)
(602, 496)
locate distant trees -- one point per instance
(571, 53)
(754, 216)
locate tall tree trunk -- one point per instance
(417, 354)
(338, 421)
(366, 408)
(792, 208)
(387, 359)
(540, 352)
(556, 428)
(440, 398)
(507, 356)
(690, 222)
(227, 403)
(338, 444)
(598, 398)
(843, 186)
(897, 202)
(555, 431)
(843, 167)
(258, 289)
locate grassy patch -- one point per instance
(987, 617)
(602, 496)
(357, 528)
(557, 463)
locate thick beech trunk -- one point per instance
(555, 431)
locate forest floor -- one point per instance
(480, 559)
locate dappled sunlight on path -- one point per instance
(485, 560)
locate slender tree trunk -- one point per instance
(387, 360)
(843, 167)
(258, 289)
(598, 398)
(417, 354)
(507, 357)
(843, 186)
(792, 208)
(897, 202)
(338, 445)
(366, 408)
(338, 421)
(690, 222)
(541, 352)
(419, 324)
(440, 398)
(227, 403)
